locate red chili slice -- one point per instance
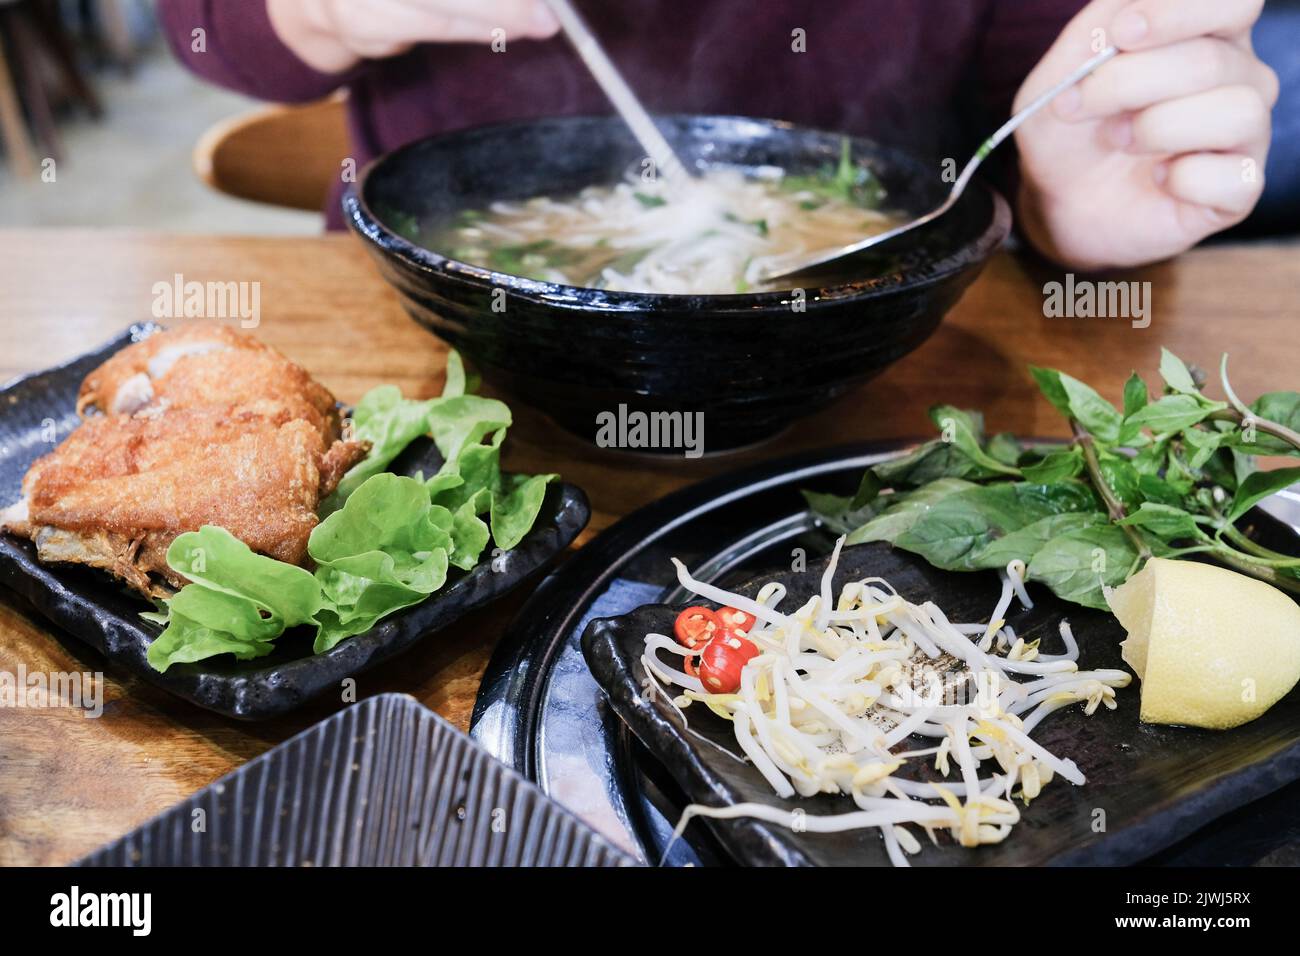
(722, 662)
(735, 621)
(696, 626)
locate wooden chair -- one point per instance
(281, 155)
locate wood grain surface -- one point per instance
(68, 783)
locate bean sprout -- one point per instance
(841, 689)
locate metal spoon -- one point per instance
(780, 267)
(602, 68)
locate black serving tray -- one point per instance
(543, 711)
(385, 782)
(1147, 785)
(92, 607)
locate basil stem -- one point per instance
(1114, 507)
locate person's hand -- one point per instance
(333, 35)
(1160, 147)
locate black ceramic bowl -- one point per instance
(752, 363)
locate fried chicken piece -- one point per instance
(110, 445)
(263, 490)
(221, 430)
(124, 383)
(200, 365)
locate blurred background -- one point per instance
(92, 85)
(92, 101)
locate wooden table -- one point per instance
(68, 784)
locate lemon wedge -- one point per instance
(1212, 647)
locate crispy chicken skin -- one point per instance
(204, 364)
(200, 425)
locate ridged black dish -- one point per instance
(750, 361)
(1147, 785)
(90, 606)
(386, 782)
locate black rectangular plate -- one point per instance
(386, 782)
(1148, 786)
(39, 409)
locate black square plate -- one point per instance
(385, 782)
(1147, 786)
(39, 409)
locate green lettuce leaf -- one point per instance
(469, 531)
(387, 548)
(237, 602)
(390, 423)
(465, 420)
(457, 382)
(476, 469)
(513, 515)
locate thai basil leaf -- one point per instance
(1176, 374)
(1259, 486)
(1123, 480)
(1165, 521)
(1170, 414)
(1203, 443)
(906, 509)
(1077, 564)
(1029, 540)
(971, 420)
(1005, 448)
(1280, 407)
(1155, 489)
(966, 429)
(1135, 395)
(1079, 401)
(1091, 410)
(839, 515)
(930, 462)
(1057, 466)
(957, 527)
(1049, 383)
(868, 489)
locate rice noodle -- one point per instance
(637, 236)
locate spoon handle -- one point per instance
(1011, 125)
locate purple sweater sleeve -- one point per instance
(239, 49)
(1017, 33)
